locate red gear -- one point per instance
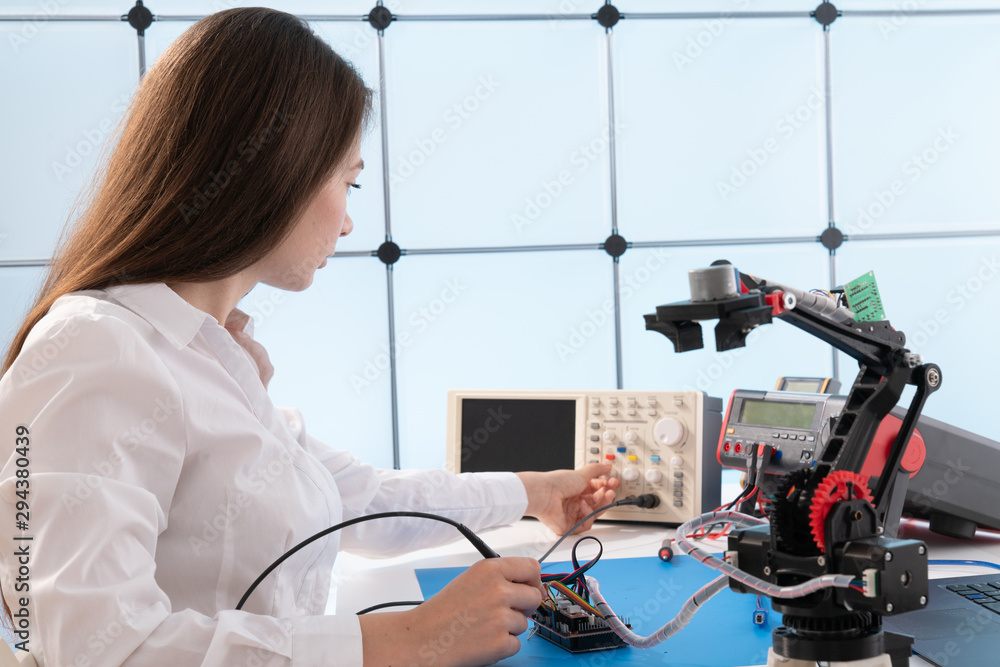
(832, 490)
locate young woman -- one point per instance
(153, 476)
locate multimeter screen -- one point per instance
(517, 434)
(777, 413)
(804, 386)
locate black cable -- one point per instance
(410, 603)
(646, 500)
(469, 535)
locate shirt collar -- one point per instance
(176, 319)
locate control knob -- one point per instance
(669, 431)
(630, 474)
(653, 475)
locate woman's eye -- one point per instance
(353, 185)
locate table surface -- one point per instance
(361, 582)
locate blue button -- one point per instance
(654, 459)
(777, 455)
(621, 450)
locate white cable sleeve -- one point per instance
(818, 304)
(761, 586)
(688, 610)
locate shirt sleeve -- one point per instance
(478, 500)
(105, 451)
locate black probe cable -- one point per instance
(481, 546)
(646, 501)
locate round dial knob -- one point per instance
(631, 436)
(669, 431)
(653, 475)
(630, 474)
(609, 436)
(677, 462)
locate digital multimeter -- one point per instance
(796, 425)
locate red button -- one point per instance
(610, 457)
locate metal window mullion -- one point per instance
(393, 380)
(392, 369)
(612, 164)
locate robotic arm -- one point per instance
(824, 520)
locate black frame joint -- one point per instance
(139, 17)
(380, 17)
(825, 14)
(389, 253)
(831, 238)
(615, 245)
(608, 15)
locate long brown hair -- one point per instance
(228, 136)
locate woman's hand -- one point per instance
(235, 324)
(562, 497)
(474, 620)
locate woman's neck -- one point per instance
(217, 298)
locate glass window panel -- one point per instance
(357, 44)
(18, 288)
(54, 9)
(915, 129)
(87, 71)
(496, 321)
(771, 351)
(721, 132)
(659, 6)
(494, 147)
(327, 346)
(943, 295)
(160, 35)
(902, 11)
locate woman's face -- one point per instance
(314, 235)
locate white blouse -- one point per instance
(161, 481)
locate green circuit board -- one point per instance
(863, 298)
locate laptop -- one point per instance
(960, 627)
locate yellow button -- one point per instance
(730, 430)
(633, 457)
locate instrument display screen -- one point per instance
(517, 434)
(777, 413)
(804, 386)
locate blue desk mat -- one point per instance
(650, 592)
